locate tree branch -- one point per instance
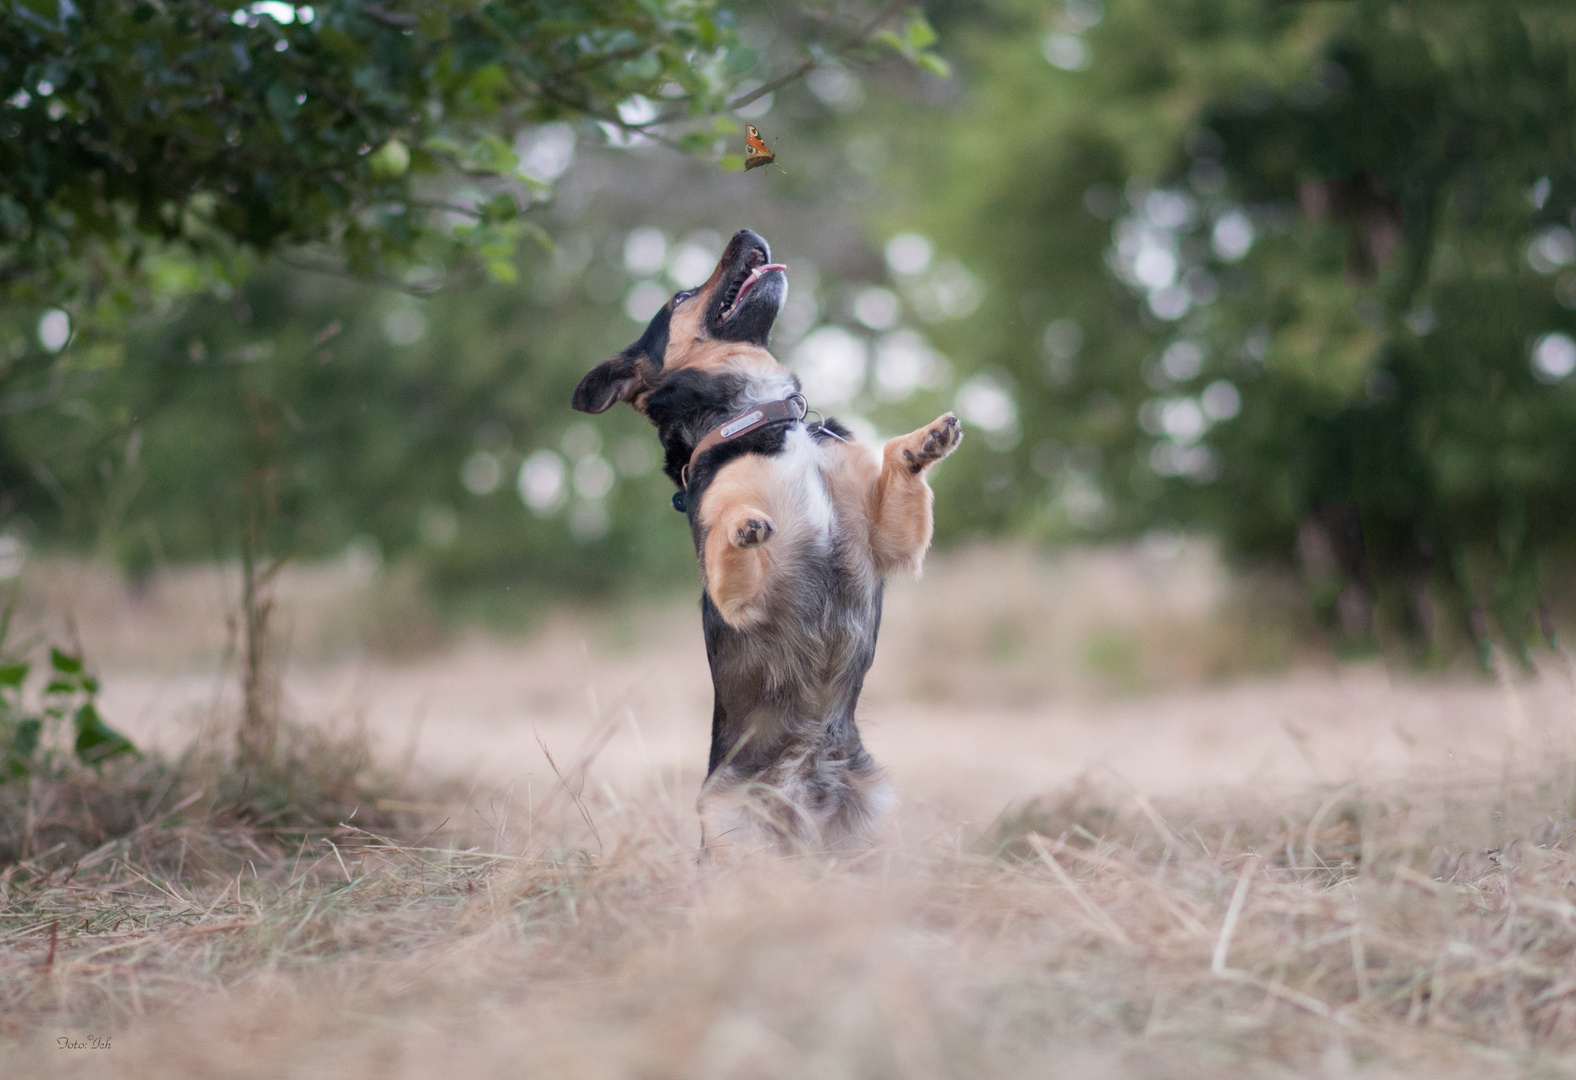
(346, 274)
(809, 64)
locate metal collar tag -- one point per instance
(749, 419)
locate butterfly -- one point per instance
(755, 151)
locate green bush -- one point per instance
(68, 704)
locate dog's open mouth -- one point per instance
(740, 289)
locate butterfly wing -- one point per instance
(755, 150)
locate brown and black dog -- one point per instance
(796, 526)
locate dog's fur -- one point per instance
(796, 526)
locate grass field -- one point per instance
(1170, 864)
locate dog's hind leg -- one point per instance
(900, 517)
(741, 816)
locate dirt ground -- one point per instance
(477, 711)
(965, 721)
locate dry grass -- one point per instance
(1345, 932)
(334, 919)
(1023, 628)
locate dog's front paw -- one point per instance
(751, 532)
(935, 443)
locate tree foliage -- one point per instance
(136, 440)
(1299, 275)
(1333, 317)
(380, 134)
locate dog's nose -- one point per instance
(749, 238)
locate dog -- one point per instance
(796, 526)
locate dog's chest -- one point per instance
(800, 484)
(804, 655)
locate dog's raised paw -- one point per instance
(940, 439)
(943, 437)
(752, 532)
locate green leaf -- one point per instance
(437, 144)
(501, 208)
(494, 155)
(25, 741)
(64, 663)
(17, 761)
(934, 64)
(532, 231)
(731, 163)
(13, 674)
(892, 41)
(919, 32)
(696, 142)
(741, 58)
(44, 9)
(97, 741)
(502, 271)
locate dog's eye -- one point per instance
(679, 298)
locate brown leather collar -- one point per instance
(792, 407)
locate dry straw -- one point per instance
(567, 933)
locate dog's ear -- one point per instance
(612, 380)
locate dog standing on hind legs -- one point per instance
(796, 527)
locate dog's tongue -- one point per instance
(749, 282)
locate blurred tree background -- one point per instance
(1297, 275)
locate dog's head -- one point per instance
(716, 332)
